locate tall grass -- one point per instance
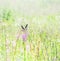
(43, 40)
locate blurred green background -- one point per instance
(43, 19)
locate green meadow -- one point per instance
(43, 35)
